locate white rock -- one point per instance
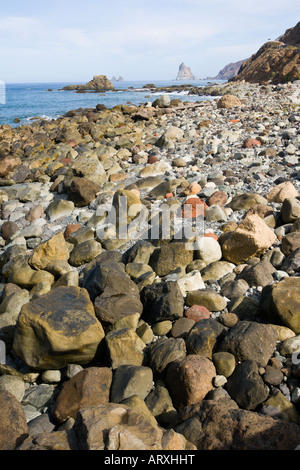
(208, 249)
(191, 281)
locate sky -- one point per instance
(73, 40)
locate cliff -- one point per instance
(185, 73)
(229, 71)
(99, 83)
(276, 61)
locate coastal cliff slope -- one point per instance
(276, 61)
(229, 71)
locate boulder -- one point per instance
(169, 257)
(226, 427)
(190, 379)
(251, 238)
(13, 425)
(125, 347)
(228, 101)
(83, 191)
(59, 208)
(58, 328)
(53, 249)
(250, 341)
(162, 301)
(282, 191)
(90, 387)
(246, 386)
(130, 380)
(205, 337)
(208, 298)
(164, 351)
(290, 210)
(281, 303)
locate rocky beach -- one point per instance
(180, 335)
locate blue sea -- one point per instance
(27, 101)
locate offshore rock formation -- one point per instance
(185, 73)
(99, 83)
(276, 61)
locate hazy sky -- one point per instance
(72, 40)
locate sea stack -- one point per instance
(185, 73)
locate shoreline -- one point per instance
(146, 337)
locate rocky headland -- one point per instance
(276, 61)
(184, 340)
(229, 71)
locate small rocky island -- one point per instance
(99, 83)
(185, 73)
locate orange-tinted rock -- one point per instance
(249, 143)
(88, 387)
(190, 379)
(152, 159)
(193, 207)
(197, 313)
(212, 235)
(117, 177)
(71, 228)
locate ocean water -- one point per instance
(27, 101)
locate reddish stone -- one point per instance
(197, 313)
(190, 379)
(192, 208)
(72, 143)
(71, 228)
(169, 195)
(152, 159)
(212, 235)
(218, 198)
(87, 388)
(249, 143)
(66, 161)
